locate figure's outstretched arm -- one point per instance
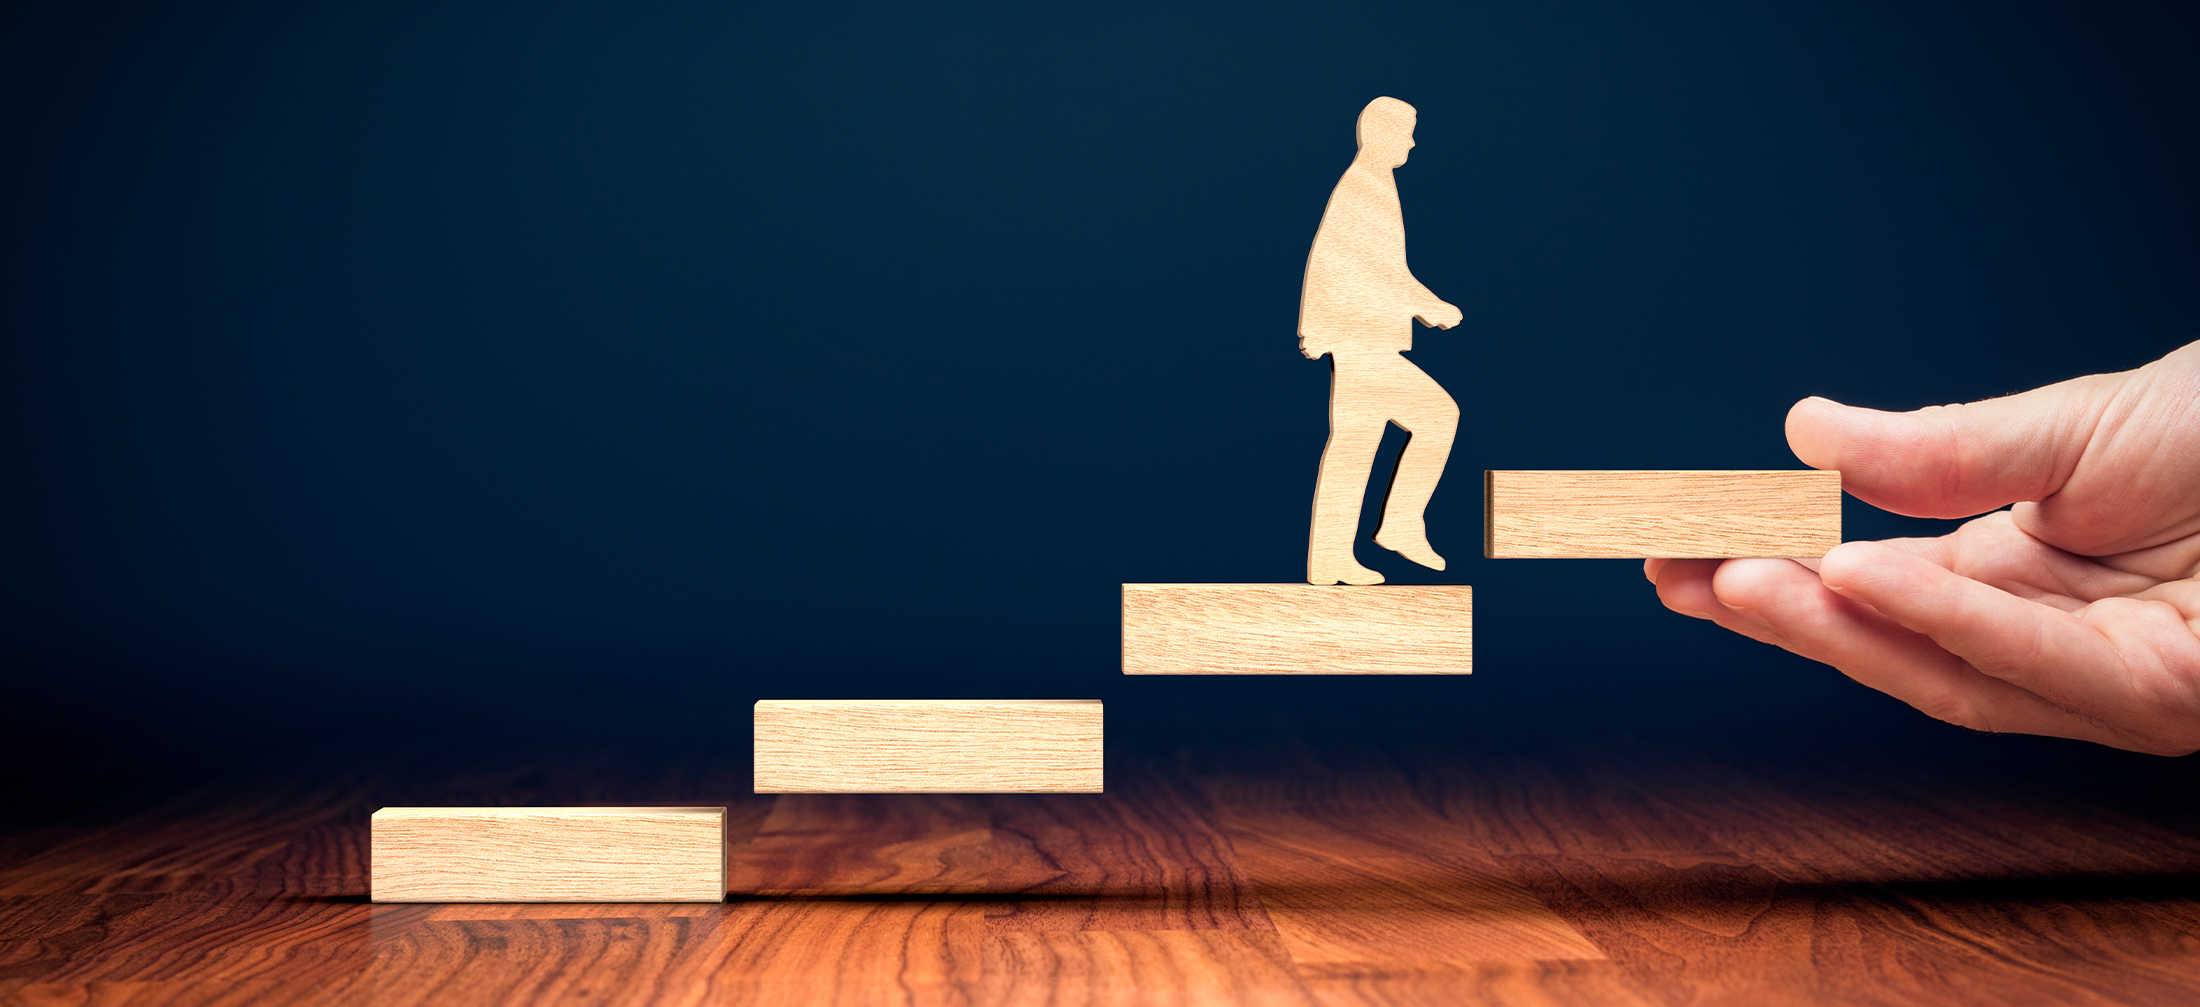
(1434, 311)
(1440, 315)
(1428, 309)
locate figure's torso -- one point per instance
(1358, 293)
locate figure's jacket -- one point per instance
(1359, 296)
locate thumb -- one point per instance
(1954, 461)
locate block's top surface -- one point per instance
(1298, 629)
(761, 703)
(1691, 473)
(1677, 514)
(387, 813)
(1298, 586)
(945, 746)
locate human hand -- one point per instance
(2075, 613)
(1439, 315)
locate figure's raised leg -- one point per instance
(1431, 421)
(1355, 431)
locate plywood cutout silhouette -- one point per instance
(1358, 308)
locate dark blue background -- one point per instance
(373, 369)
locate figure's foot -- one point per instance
(1351, 572)
(1412, 545)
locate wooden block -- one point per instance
(1673, 515)
(548, 855)
(938, 746)
(1297, 629)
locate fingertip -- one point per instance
(1685, 587)
(1650, 568)
(1762, 590)
(1906, 588)
(1840, 559)
(1853, 565)
(1896, 461)
(1742, 583)
(1817, 431)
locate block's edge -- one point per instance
(1827, 481)
(929, 790)
(470, 901)
(1345, 674)
(1489, 514)
(1673, 554)
(1300, 585)
(1459, 620)
(432, 812)
(794, 704)
(1796, 473)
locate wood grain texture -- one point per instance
(1182, 968)
(866, 845)
(954, 746)
(1357, 307)
(854, 899)
(1717, 930)
(549, 855)
(1561, 983)
(1150, 858)
(1358, 870)
(1340, 893)
(1674, 515)
(1287, 629)
(906, 952)
(1284, 867)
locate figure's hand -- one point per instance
(1439, 315)
(2076, 614)
(1312, 349)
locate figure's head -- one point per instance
(1386, 131)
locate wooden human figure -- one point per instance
(1358, 307)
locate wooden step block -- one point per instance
(1298, 629)
(935, 746)
(1673, 515)
(548, 855)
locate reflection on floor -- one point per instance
(1300, 871)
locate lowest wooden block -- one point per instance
(1298, 629)
(1674, 515)
(548, 855)
(949, 746)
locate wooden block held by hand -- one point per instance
(548, 855)
(939, 746)
(1671, 515)
(1297, 629)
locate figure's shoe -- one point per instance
(1342, 574)
(1412, 545)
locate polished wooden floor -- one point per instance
(1293, 871)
